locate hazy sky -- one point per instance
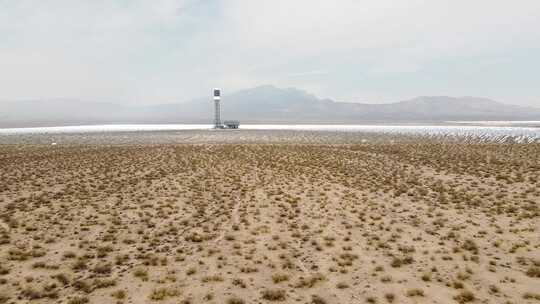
(155, 51)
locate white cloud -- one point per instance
(163, 50)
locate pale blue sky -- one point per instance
(144, 52)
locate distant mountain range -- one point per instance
(266, 104)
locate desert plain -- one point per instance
(267, 217)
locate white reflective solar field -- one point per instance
(491, 133)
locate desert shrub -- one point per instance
(465, 297)
(398, 262)
(533, 272)
(78, 300)
(390, 297)
(212, 278)
(103, 283)
(309, 282)
(3, 270)
(102, 269)
(119, 294)
(141, 274)
(239, 282)
(315, 299)
(62, 278)
(274, 295)
(163, 293)
(235, 300)
(69, 255)
(470, 245)
(79, 265)
(371, 300)
(415, 292)
(531, 296)
(280, 277)
(191, 271)
(83, 286)
(4, 298)
(32, 294)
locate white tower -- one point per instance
(217, 110)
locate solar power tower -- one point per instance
(217, 109)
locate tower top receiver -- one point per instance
(217, 93)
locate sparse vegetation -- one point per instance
(465, 297)
(163, 293)
(533, 272)
(280, 277)
(531, 296)
(274, 295)
(415, 292)
(235, 300)
(214, 222)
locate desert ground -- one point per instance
(267, 217)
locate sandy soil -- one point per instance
(309, 218)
